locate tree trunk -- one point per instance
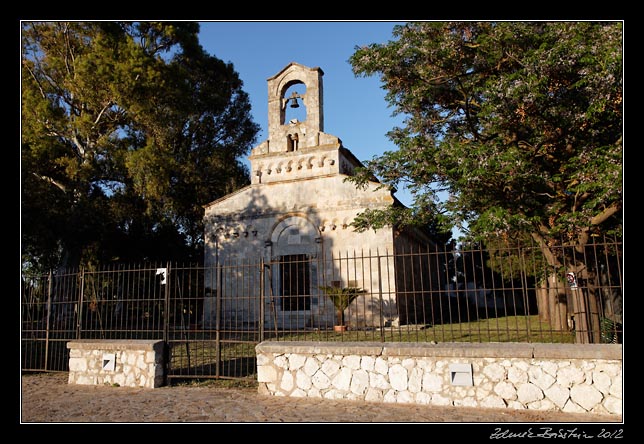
(557, 303)
(543, 302)
(586, 309)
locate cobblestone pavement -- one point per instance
(48, 398)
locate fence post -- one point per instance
(381, 317)
(166, 327)
(262, 289)
(48, 323)
(218, 320)
(79, 318)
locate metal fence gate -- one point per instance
(150, 302)
(211, 318)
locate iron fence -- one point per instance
(211, 317)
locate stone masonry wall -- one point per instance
(563, 377)
(131, 363)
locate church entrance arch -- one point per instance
(294, 267)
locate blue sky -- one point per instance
(355, 109)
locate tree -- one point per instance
(127, 129)
(519, 122)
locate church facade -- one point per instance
(289, 233)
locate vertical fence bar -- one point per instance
(81, 293)
(262, 298)
(382, 319)
(48, 322)
(219, 294)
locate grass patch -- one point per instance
(235, 358)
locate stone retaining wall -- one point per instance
(130, 362)
(563, 377)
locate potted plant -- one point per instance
(341, 298)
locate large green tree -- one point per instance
(520, 123)
(128, 128)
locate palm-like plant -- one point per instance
(342, 298)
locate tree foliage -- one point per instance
(519, 122)
(127, 130)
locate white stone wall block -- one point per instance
(390, 396)
(423, 398)
(545, 404)
(586, 366)
(586, 396)
(528, 392)
(609, 368)
(517, 375)
(320, 380)
(266, 373)
(262, 359)
(86, 379)
(568, 376)
(75, 353)
(330, 367)
(379, 381)
(506, 390)
(281, 362)
(432, 383)
(548, 367)
(296, 361)
(616, 386)
(359, 382)
(302, 380)
(342, 380)
(492, 401)
(368, 363)
(613, 405)
(77, 364)
(408, 363)
(415, 383)
(558, 395)
(128, 358)
(494, 372)
(438, 399)
(352, 362)
(130, 380)
(467, 401)
(539, 378)
(333, 394)
(381, 366)
(405, 397)
(424, 364)
(311, 366)
(516, 405)
(374, 395)
(601, 381)
(521, 364)
(287, 383)
(398, 377)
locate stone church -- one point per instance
(277, 241)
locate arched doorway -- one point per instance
(294, 271)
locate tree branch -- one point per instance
(54, 182)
